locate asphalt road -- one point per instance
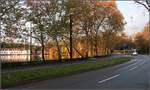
(130, 75)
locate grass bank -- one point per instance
(22, 77)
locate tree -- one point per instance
(142, 41)
(145, 34)
(146, 31)
(140, 46)
(10, 16)
(97, 18)
(102, 10)
(56, 22)
(113, 24)
(37, 17)
(122, 38)
(94, 17)
(83, 18)
(85, 24)
(79, 11)
(145, 3)
(8, 7)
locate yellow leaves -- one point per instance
(138, 34)
(112, 4)
(142, 40)
(144, 33)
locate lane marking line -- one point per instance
(134, 60)
(138, 62)
(129, 66)
(133, 68)
(142, 63)
(109, 78)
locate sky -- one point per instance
(134, 14)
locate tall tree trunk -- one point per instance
(105, 51)
(91, 42)
(43, 47)
(87, 41)
(58, 50)
(43, 50)
(96, 40)
(91, 50)
(96, 50)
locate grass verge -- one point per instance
(21, 77)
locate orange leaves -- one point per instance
(142, 40)
(144, 33)
(138, 34)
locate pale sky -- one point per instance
(135, 15)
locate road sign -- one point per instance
(124, 44)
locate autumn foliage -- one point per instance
(142, 40)
(95, 25)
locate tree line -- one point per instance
(93, 21)
(139, 41)
(142, 40)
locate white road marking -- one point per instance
(134, 60)
(108, 78)
(138, 62)
(133, 68)
(142, 63)
(129, 66)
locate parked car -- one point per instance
(134, 53)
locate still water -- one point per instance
(19, 58)
(26, 58)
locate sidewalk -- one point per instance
(61, 64)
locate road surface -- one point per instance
(130, 75)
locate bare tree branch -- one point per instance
(146, 6)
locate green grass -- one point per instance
(22, 77)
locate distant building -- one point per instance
(16, 51)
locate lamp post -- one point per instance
(0, 29)
(0, 36)
(30, 43)
(70, 37)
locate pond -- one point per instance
(19, 58)
(26, 57)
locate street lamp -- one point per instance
(70, 37)
(0, 36)
(1, 10)
(30, 43)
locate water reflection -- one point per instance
(26, 58)
(19, 58)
